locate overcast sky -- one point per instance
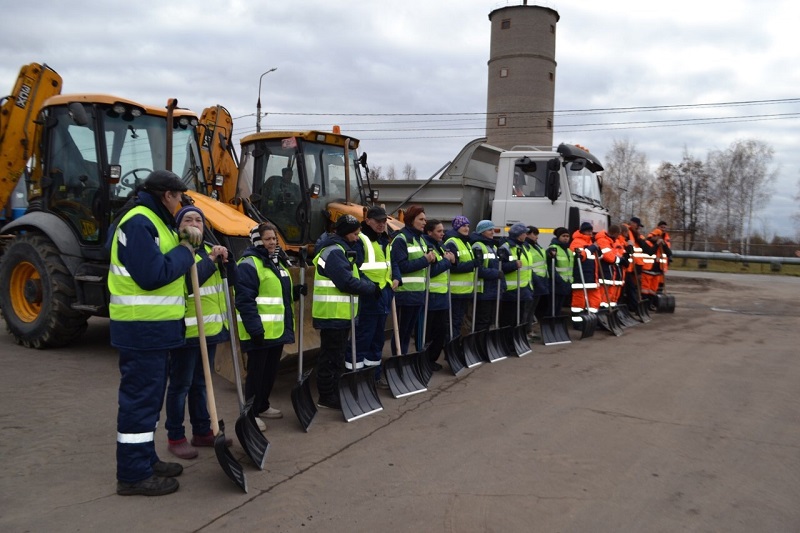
(430, 57)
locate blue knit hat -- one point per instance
(186, 209)
(517, 229)
(483, 225)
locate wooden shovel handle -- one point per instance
(201, 330)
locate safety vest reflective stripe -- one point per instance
(207, 291)
(461, 282)
(128, 301)
(412, 281)
(328, 302)
(271, 309)
(585, 285)
(135, 438)
(517, 253)
(376, 265)
(207, 319)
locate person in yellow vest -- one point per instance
(437, 329)
(186, 377)
(540, 281)
(147, 306)
(264, 296)
(336, 278)
(520, 261)
(373, 311)
(462, 273)
(410, 257)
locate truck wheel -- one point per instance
(36, 290)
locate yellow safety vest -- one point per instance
(131, 303)
(438, 283)
(269, 301)
(212, 302)
(461, 282)
(376, 265)
(328, 302)
(413, 281)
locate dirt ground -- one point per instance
(690, 423)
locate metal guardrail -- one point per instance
(739, 258)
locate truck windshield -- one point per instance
(584, 185)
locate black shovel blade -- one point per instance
(358, 395)
(303, 402)
(472, 351)
(227, 461)
(454, 355)
(670, 303)
(495, 346)
(555, 330)
(603, 320)
(625, 318)
(661, 303)
(401, 375)
(521, 345)
(588, 324)
(254, 442)
(423, 367)
(613, 321)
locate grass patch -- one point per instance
(734, 267)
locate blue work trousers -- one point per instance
(187, 382)
(143, 381)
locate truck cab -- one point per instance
(548, 188)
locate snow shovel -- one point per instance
(554, 327)
(229, 464)
(642, 307)
(625, 318)
(588, 319)
(400, 369)
(453, 348)
(613, 319)
(254, 442)
(424, 368)
(665, 303)
(521, 345)
(304, 406)
(496, 347)
(473, 342)
(357, 392)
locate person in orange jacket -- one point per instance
(608, 263)
(586, 254)
(655, 265)
(625, 263)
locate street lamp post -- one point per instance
(258, 105)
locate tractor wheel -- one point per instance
(36, 290)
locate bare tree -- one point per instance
(796, 214)
(375, 174)
(743, 184)
(391, 174)
(409, 172)
(627, 181)
(684, 195)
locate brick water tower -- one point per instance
(522, 76)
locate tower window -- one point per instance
(552, 28)
(501, 120)
(505, 24)
(552, 76)
(549, 124)
(504, 72)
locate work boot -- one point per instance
(164, 469)
(382, 383)
(208, 440)
(262, 427)
(182, 449)
(271, 413)
(152, 486)
(329, 402)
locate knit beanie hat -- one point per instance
(517, 229)
(484, 225)
(346, 224)
(586, 226)
(187, 209)
(255, 236)
(460, 221)
(560, 231)
(411, 213)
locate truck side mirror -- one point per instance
(552, 187)
(314, 190)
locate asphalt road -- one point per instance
(688, 423)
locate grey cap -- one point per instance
(164, 180)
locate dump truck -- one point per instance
(546, 187)
(81, 157)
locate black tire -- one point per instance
(36, 290)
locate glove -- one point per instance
(378, 292)
(478, 253)
(258, 340)
(297, 290)
(629, 249)
(503, 254)
(552, 253)
(191, 236)
(624, 261)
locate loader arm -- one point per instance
(18, 123)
